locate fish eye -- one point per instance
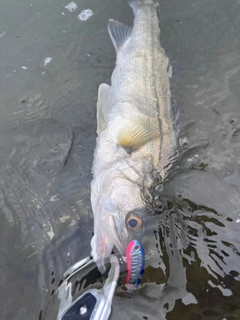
(134, 222)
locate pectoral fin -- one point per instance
(135, 134)
(106, 98)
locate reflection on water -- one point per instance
(196, 266)
(47, 129)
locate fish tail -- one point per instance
(135, 4)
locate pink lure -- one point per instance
(135, 259)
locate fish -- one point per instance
(136, 142)
(135, 259)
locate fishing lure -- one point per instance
(135, 258)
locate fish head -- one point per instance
(118, 218)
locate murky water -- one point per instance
(47, 129)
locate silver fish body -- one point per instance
(136, 131)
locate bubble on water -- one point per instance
(72, 6)
(47, 60)
(85, 15)
(183, 141)
(159, 188)
(50, 233)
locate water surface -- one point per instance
(47, 128)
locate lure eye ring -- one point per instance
(134, 222)
(137, 248)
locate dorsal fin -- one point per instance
(119, 33)
(106, 99)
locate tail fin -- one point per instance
(135, 4)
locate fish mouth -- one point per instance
(106, 238)
(115, 236)
(119, 243)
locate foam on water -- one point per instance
(85, 15)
